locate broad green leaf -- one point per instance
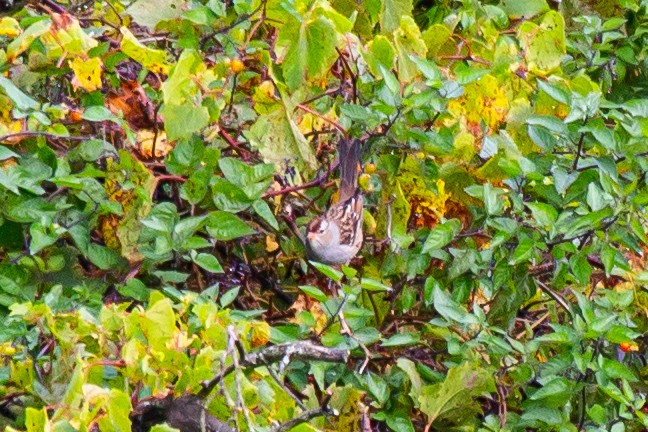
(225, 226)
(182, 121)
(278, 139)
(328, 271)
(310, 48)
(150, 12)
(523, 251)
(229, 296)
(392, 12)
(22, 101)
(379, 52)
(208, 262)
(401, 339)
(449, 309)
(524, 9)
(314, 292)
(373, 285)
(262, 209)
(441, 235)
(544, 214)
(409, 367)
(377, 387)
(462, 385)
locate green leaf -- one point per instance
(409, 367)
(441, 235)
(262, 209)
(328, 271)
(524, 9)
(523, 252)
(152, 59)
(182, 121)
(229, 296)
(226, 226)
(150, 12)
(314, 292)
(103, 257)
(377, 387)
(36, 420)
(379, 52)
(409, 45)
(544, 214)
(229, 197)
(276, 136)
(401, 339)
(24, 40)
(22, 101)
(391, 13)
(554, 392)
(457, 393)
(449, 309)
(208, 262)
(159, 322)
(373, 285)
(544, 44)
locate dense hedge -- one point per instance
(159, 158)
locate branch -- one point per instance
(301, 350)
(318, 181)
(28, 134)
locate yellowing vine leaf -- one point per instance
(22, 42)
(67, 37)
(407, 39)
(544, 44)
(308, 45)
(483, 100)
(152, 59)
(392, 12)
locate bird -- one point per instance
(335, 237)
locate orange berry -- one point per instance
(628, 346)
(76, 116)
(236, 65)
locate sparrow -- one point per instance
(335, 237)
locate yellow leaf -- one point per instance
(154, 60)
(260, 333)
(271, 244)
(67, 37)
(22, 42)
(9, 27)
(87, 73)
(145, 139)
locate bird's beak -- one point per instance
(310, 235)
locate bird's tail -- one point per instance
(349, 153)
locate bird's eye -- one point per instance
(322, 227)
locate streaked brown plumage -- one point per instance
(335, 237)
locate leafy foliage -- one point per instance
(158, 159)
